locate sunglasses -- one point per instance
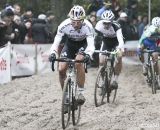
(107, 23)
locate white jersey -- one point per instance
(75, 35)
(150, 30)
(112, 32)
(66, 28)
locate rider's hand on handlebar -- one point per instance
(87, 58)
(52, 57)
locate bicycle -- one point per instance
(70, 91)
(152, 77)
(104, 78)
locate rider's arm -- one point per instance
(58, 38)
(90, 39)
(54, 47)
(98, 33)
(120, 39)
(90, 46)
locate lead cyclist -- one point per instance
(79, 36)
(109, 33)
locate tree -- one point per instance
(60, 9)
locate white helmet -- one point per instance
(77, 13)
(156, 21)
(108, 16)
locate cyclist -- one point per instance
(109, 33)
(146, 41)
(79, 36)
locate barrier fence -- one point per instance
(30, 59)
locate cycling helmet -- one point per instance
(156, 21)
(108, 16)
(77, 13)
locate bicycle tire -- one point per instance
(149, 77)
(153, 77)
(66, 116)
(100, 89)
(76, 109)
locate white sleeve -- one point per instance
(120, 39)
(54, 47)
(90, 46)
(57, 39)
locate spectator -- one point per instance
(40, 31)
(17, 9)
(26, 32)
(134, 26)
(116, 8)
(50, 20)
(132, 7)
(93, 18)
(106, 6)
(128, 29)
(16, 28)
(94, 6)
(5, 30)
(28, 14)
(142, 25)
(8, 16)
(123, 21)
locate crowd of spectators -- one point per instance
(131, 23)
(20, 28)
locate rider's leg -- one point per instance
(156, 67)
(80, 72)
(80, 80)
(62, 72)
(143, 59)
(62, 76)
(118, 68)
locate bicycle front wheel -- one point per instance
(76, 109)
(100, 89)
(153, 78)
(66, 103)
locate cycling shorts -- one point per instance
(109, 44)
(150, 44)
(71, 48)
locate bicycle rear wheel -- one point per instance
(100, 88)
(76, 111)
(66, 103)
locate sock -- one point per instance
(80, 90)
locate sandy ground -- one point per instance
(34, 103)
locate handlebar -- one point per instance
(151, 51)
(69, 61)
